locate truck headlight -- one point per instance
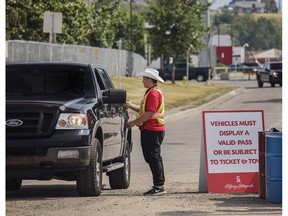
(275, 74)
(72, 121)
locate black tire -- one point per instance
(260, 84)
(200, 78)
(13, 184)
(89, 180)
(272, 83)
(120, 178)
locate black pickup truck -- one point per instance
(271, 72)
(65, 121)
(201, 74)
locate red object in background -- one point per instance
(225, 54)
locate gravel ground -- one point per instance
(183, 198)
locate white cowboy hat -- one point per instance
(151, 73)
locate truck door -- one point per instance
(114, 120)
(266, 72)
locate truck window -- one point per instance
(48, 81)
(180, 65)
(276, 66)
(103, 79)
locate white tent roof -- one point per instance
(272, 53)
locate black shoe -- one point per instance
(155, 191)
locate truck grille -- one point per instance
(34, 123)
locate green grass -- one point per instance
(178, 94)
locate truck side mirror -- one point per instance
(114, 96)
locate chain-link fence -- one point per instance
(114, 61)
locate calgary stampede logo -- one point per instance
(238, 185)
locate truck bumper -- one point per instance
(33, 158)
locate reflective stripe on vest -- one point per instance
(159, 115)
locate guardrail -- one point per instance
(226, 73)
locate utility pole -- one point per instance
(131, 28)
(120, 61)
(218, 48)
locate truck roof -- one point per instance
(53, 63)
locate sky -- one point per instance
(221, 3)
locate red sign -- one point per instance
(231, 150)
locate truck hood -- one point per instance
(63, 105)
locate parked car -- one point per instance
(271, 72)
(65, 121)
(201, 74)
(246, 67)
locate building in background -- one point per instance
(247, 6)
(223, 46)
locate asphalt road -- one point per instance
(181, 154)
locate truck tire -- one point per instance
(120, 178)
(260, 83)
(13, 184)
(200, 78)
(89, 180)
(272, 83)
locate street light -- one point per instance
(245, 45)
(131, 28)
(147, 47)
(119, 62)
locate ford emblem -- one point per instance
(14, 122)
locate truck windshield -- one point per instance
(276, 66)
(57, 81)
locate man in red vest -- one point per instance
(151, 124)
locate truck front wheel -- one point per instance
(120, 178)
(13, 184)
(89, 180)
(260, 83)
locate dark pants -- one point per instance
(151, 146)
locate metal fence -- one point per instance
(115, 61)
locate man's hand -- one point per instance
(127, 104)
(130, 124)
(147, 115)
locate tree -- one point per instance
(261, 33)
(177, 28)
(124, 31)
(106, 16)
(25, 20)
(270, 6)
(77, 25)
(100, 23)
